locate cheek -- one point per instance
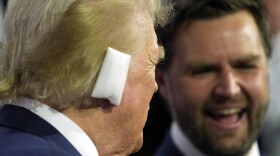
(143, 81)
(191, 90)
(188, 90)
(257, 88)
(148, 84)
(138, 93)
(188, 96)
(134, 112)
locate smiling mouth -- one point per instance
(227, 119)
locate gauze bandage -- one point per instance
(112, 76)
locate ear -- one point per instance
(162, 81)
(112, 76)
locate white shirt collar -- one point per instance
(187, 148)
(70, 130)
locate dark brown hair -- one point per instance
(196, 10)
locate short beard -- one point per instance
(208, 146)
(203, 141)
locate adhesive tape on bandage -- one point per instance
(112, 76)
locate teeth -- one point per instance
(228, 111)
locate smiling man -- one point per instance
(215, 78)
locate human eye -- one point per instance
(202, 70)
(244, 66)
(247, 63)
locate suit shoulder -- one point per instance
(14, 142)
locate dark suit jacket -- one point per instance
(23, 133)
(168, 148)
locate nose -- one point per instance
(227, 85)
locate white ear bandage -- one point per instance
(112, 76)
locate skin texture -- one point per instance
(118, 130)
(218, 64)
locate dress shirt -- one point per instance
(187, 148)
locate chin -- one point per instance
(138, 144)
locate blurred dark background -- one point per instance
(5, 2)
(156, 127)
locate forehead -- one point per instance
(272, 3)
(230, 35)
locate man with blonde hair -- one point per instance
(77, 76)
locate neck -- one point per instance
(95, 123)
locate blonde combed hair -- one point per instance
(24, 23)
(59, 56)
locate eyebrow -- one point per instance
(249, 58)
(161, 53)
(159, 57)
(199, 64)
